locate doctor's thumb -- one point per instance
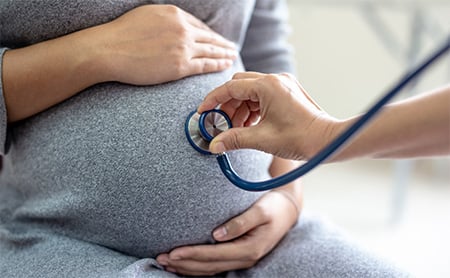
(233, 139)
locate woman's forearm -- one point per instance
(292, 191)
(39, 76)
(419, 126)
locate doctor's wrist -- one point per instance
(335, 130)
(322, 130)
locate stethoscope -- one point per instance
(202, 128)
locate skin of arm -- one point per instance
(41, 75)
(289, 124)
(292, 191)
(417, 126)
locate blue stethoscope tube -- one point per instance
(330, 149)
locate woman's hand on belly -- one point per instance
(153, 44)
(148, 45)
(243, 240)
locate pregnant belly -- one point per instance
(172, 203)
(115, 168)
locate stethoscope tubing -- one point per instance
(337, 143)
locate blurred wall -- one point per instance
(349, 52)
(343, 61)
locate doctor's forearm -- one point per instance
(415, 127)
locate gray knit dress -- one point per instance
(100, 184)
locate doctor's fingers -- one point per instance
(248, 74)
(246, 116)
(238, 138)
(231, 106)
(238, 89)
(241, 115)
(253, 119)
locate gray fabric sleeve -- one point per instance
(3, 121)
(266, 48)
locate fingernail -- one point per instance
(220, 233)
(227, 63)
(231, 44)
(218, 147)
(232, 53)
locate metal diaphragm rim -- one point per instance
(193, 135)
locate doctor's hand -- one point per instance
(242, 241)
(271, 113)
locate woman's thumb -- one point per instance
(233, 139)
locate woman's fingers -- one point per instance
(211, 37)
(244, 240)
(206, 50)
(194, 21)
(236, 250)
(207, 65)
(241, 224)
(161, 35)
(198, 268)
(210, 52)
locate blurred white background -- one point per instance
(348, 53)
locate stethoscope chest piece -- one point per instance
(202, 128)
